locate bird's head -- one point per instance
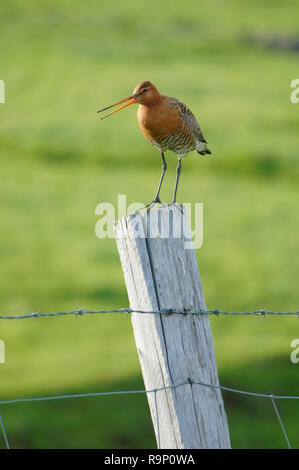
(145, 93)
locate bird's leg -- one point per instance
(156, 199)
(178, 172)
(164, 168)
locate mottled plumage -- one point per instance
(170, 125)
(190, 132)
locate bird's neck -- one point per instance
(155, 100)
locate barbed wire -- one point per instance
(80, 312)
(272, 397)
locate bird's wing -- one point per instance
(189, 118)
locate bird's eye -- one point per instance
(144, 90)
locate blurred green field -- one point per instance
(63, 60)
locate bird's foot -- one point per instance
(156, 200)
(176, 204)
(151, 204)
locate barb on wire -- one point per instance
(80, 312)
(127, 310)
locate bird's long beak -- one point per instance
(129, 100)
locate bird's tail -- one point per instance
(202, 148)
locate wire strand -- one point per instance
(127, 310)
(124, 392)
(4, 433)
(171, 311)
(280, 422)
(190, 382)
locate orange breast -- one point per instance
(158, 122)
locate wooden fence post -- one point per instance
(160, 273)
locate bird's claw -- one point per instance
(180, 206)
(155, 201)
(151, 204)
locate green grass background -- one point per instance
(63, 60)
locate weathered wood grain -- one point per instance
(160, 274)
